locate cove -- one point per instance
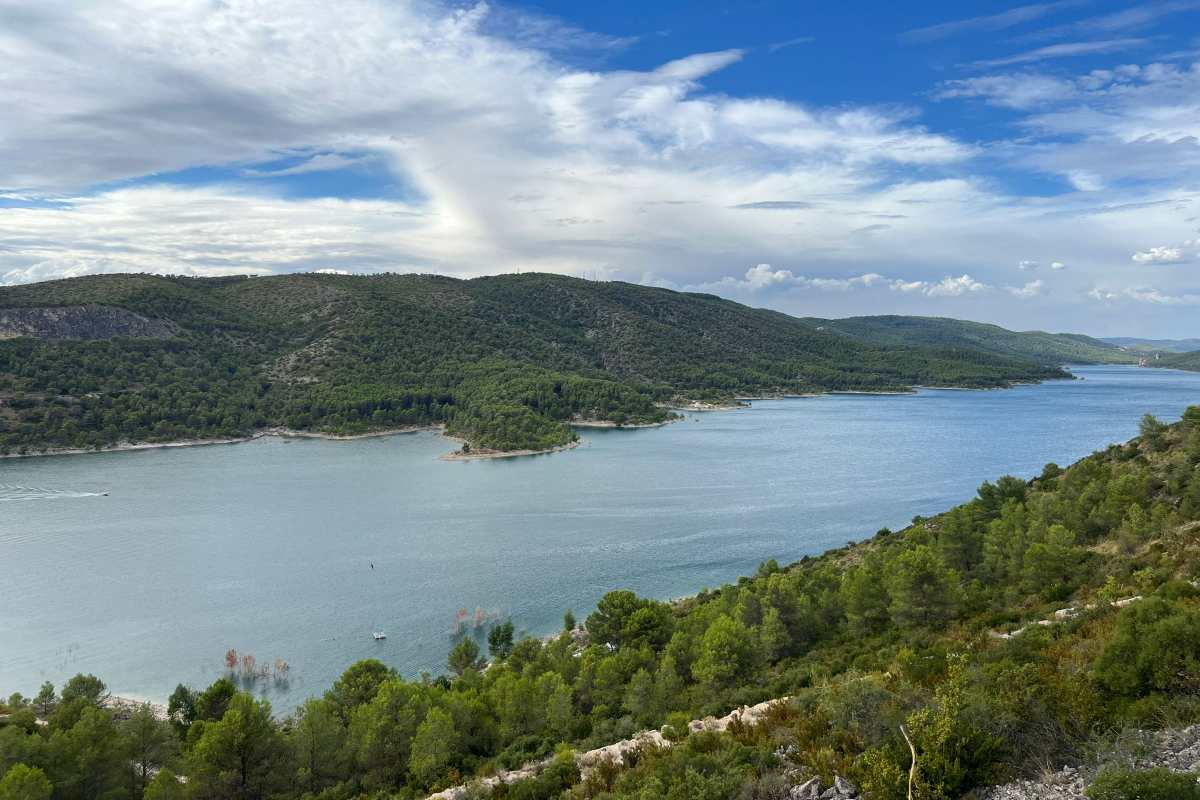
(299, 549)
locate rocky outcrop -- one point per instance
(811, 789)
(90, 322)
(1176, 750)
(617, 752)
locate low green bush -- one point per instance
(1150, 784)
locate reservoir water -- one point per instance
(300, 549)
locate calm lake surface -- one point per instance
(267, 547)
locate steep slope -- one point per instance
(1044, 348)
(506, 362)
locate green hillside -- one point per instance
(505, 362)
(1188, 361)
(1044, 348)
(1026, 627)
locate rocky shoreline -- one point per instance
(484, 454)
(598, 423)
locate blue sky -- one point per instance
(1033, 165)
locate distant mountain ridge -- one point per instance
(1049, 348)
(505, 362)
(1154, 345)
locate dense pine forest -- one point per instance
(931, 628)
(504, 362)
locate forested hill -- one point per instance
(506, 362)
(1044, 348)
(1188, 361)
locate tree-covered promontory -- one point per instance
(505, 362)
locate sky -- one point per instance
(1036, 166)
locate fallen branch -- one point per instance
(912, 771)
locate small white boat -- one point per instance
(379, 635)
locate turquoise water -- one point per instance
(267, 546)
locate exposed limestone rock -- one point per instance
(617, 752)
(1177, 750)
(88, 322)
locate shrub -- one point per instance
(1152, 784)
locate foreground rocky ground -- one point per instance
(1177, 750)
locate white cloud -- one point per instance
(1031, 289)
(955, 287)
(1026, 265)
(1057, 265)
(1085, 180)
(212, 231)
(775, 47)
(1142, 294)
(947, 287)
(991, 22)
(1021, 91)
(763, 277)
(1159, 255)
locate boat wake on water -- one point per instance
(9, 492)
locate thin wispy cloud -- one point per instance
(323, 162)
(1129, 19)
(775, 205)
(990, 22)
(1065, 50)
(545, 32)
(775, 47)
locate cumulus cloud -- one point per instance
(955, 287)
(1057, 265)
(1026, 265)
(1031, 289)
(763, 277)
(1159, 255)
(949, 286)
(502, 143)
